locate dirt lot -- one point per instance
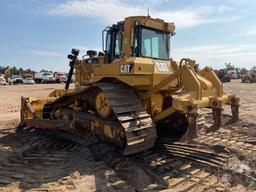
(246, 92)
(10, 100)
(88, 174)
(71, 168)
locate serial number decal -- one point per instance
(126, 68)
(162, 66)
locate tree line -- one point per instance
(15, 71)
(18, 71)
(241, 71)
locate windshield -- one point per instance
(154, 44)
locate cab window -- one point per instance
(118, 44)
(154, 44)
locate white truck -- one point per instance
(44, 77)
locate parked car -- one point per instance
(15, 80)
(29, 81)
(2, 80)
(18, 81)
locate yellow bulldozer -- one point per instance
(132, 92)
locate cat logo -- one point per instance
(126, 68)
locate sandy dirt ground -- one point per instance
(88, 175)
(247, 94)
(72, 169)
(10, 100)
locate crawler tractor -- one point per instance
(133, 91)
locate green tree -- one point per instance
(43, 70)
(28, 70)
(229, 66)
(20, 71)
(1, 70)
(14, 71)
(243, 71)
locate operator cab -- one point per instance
(145, 41)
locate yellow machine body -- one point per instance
(110, 85)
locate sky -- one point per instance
(38, 34)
